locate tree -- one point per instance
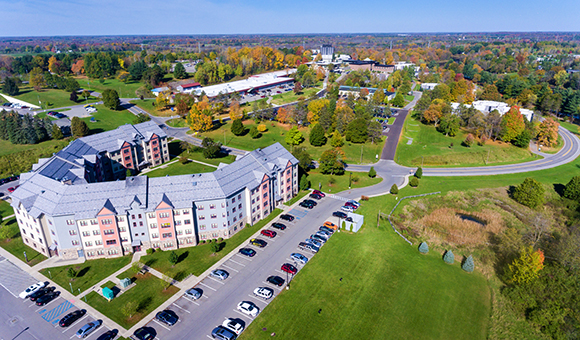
(294, 137)
(10, 87)
(254, 133)
(211, 148)
(304, 182)
(86, 94)
(285, 115)
(468, 141)
(530, 193)
(512, 124)
(523, 139)
(317, 137)
(357, 131)
(449, 125)
(128, 173)
(419, 172)
(74, 97)
(331, 162)
(57, 132)
(572, 190)
(71, 273)
(468, 264)
(490, 92)
(235, 111)
(111, 99)
(303, 157)
(526, 267)
(315, 108)
(141, 118)
(79, 128)
(179, 71)
(398, 101)
(394, 189)
(372, 172)
(423, 248)
(336, 141)
(37, 78)
(297, 87)
(182, 108)
(215, 247)
(414, 182)
(129, 308)
(449, 258)
(548, 132)
(200, 117)
(238, 128)
(173, 258)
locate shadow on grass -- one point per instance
(559, 189)
(179, 276)
(151, 262)
(183, 256)
(144, 303)
(83, 271)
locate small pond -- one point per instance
(472, 219)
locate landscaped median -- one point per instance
(196, 260)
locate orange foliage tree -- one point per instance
(548, 132)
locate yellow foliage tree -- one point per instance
(200, 117)
(315, 108)
(235, 111)
(37, 78)
(52, 64)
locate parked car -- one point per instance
(258, 243)
(248, 252)
(145, 333)
(352, 205)
(315, 196)
(11, 189)
(325, 235)
(264, 292)
(268, 233)
(167, 316)
(313, 242)
(87, 329)
(68, 319)
(318, 192)
(110, 335)
(46, 298)
(288, 268)
(34, 296)
(309, 201)
(330, 226)
(339, 214)
(33, 288)
(287, 217)
(193, 293)
(248, 308)
(299, 258)
(233, 325)
(275, 280)
(347, 208)
(306, 205)
(317, 238)
(219, 274)
(278, 226)
(223, 333)
(308, 246)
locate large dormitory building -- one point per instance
(78, 203)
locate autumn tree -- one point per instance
(52, 64)
(182, 108)
(490, 92)
(336, 141)
(297, 87)
(286, 115)
(331, 162)
(200, 117)
(512, 124)
(294, 137)
(548, 132)
(235, 111)
(315, 108)
(37, 78)
(78, 67)
(527, 266)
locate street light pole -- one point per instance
(49, 274)
(71, 290)
(25, 257)
(361, 153)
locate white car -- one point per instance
(299, 258)
(264, 292)
(234, 326)
(346, 208)
(35, 287)
(248, 308)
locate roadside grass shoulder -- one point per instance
(324, 182)
(301, 195)
(125, 90)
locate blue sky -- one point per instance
(119, 17)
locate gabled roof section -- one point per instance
(107, 209)
(165, 203)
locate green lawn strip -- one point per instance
(290, 96)
(432, 148)
(570, 127)
(391, 120)
(177, 123)
(148, 293)
(177, 168)
(15, 246)
(5, 209)
(18, 158)
(196, 260)
(341, 182)
(108, 284)
(50, 98)
(149, 106)
(88, 273)
(298, 197)
(373, 285)
(107, 119)
(409, 97)
(125, 90)
(276, 133)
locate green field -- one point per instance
(177, 123)
(50, 98)
(276, 133)
(124, 90)
(391, 120)
(359, 180)
(373, 285)
(432, 149)
(290, 96)
(107, 119)
(177, 168)
(89, 273)
(196, 260)
(15, 246)
(148, 105)
(15, 159)
(148, 293)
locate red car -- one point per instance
(319, 193)
(354, 206)
(11, 189)
(288, 268)
(268, 233)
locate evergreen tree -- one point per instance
(394, 189)
(372, 172)
(419, 172)
(304, 182)
(423, 248)
(414, 182)
(468, 264)
(331, 162)
(238, 128)
(357, 131)
(71, 272)
(399, 100)
(111, 99)
(254, 133)
(57, 132)
(74, 97)
(303, 157)
(173, 258)
(336, 141)
(179, 71)
(572, 190)
(211, 148)
(10, 87)
(530, 193)
(449, 258)
(40, 130)
(129, 173)
(317, 137)
(79, 128)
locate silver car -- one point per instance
(193, 293)
(219, 274)
(87, 329)
(299, 258)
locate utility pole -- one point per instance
(361, 153)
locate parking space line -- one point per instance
(242, 314)
(203, 284)
(243, 265)
(183, 309)
(237, 271)
(272, 285)
(260, 249)
(74, 323)
(279, 271)
(209, 337)
(244, 257)
(205, 296)
(162, 325)
(46, 305)
(216, 280)
(259, 299)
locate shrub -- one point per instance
(355, 178)
(215, 247)
(331, 180)
(468, 140)
(304, 183)
(414, 182)
(173, 258)
(468, 265)
(343, 227)
(238, 128)
(572, 190)
(394, 189)
(183, 159)
(150, 251)
(423, 248)
(317, 137)
(220, 239)
(71, 272)
(262, 128)
(419, 172)
(364, 198)
(530, 193)
(372, 172)
(449, 258)
(254, 133)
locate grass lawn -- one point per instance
(89, 273)
(176, 150)
(391, 120)
(124, 90)
(298, 197)
(147, 105)
(50, 98)
(432, 148)
(276, 133)
(180, 169)
(290, 96)
(15, 246)
(7, 148)
(148, 293)
(408, 97)
(107, 119)
(5, 209)
(373, 285)
(196, 260)
(177, 123)
(341, 182)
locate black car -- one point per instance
(68, 319)
(311, 202)
(306, 205)
(287, 217)
(167, 316)
(278, 226)
(248, 252)
(339, 214)
(275, 280)
(46, 298)
(110, 335)
(315, 196)
(34, 296)
(145, 333)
